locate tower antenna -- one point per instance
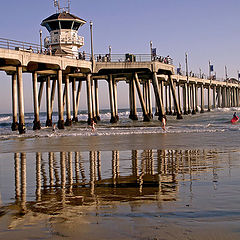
(57, 5)
(68, 6)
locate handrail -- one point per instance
(200, 76)
(132, 58)
(36, 48)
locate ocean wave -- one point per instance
(5, 119)
(101, 131)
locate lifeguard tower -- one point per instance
(63, 28)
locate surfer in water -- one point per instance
(235, 118)
(92, 125)
(164, 120)
(54, 127)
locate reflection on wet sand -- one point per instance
(65, 178)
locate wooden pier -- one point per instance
(183, 95)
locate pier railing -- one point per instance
(201, 76)
(20, 46)
(132, 58)
(36, 48)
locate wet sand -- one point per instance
(122, 142)
(188, 216)
(93, 223)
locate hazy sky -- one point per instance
(206, 29)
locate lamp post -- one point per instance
(91, 31)
(110, 53)
(151, 44)
(40, 32)
(186, 59)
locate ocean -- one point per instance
(129, 180)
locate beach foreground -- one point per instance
(178, 184)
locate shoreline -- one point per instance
(122, 142)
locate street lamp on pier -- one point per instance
(40, 32)
(151, 45)
(91, 31)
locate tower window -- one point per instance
(76, 26)
(54, 25)
(66, 24)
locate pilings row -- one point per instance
(180, 97)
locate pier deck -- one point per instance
(174, 94)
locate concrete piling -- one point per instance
(202, 99)
(185, 111)
(36, 122)
(193, 100)
(21, 125)
(89, 97)
(146, 117)
(179, 115)
(196, 97)
(14, 126)
(209, 93)
(93, 100)
(74, 118)
(97, 101)
(158, 97)
(60, 101)
(111, 98)
(68, 121)
(48, 102)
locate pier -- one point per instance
(61, 69)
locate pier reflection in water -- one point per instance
(100, 178)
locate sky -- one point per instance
(206, 30)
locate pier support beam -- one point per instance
(237, 97)
(149, 98)
(193, 100)
(166, 99)
(36, 122)
(188, 98)
(21, 126)
(93, 101)
(202, 99)
(132, 100)
(89, 97)
(97, 101)
(158, 97)
(40, 93)
(179, 115)
(185, 111)
(54, 83)
(78, 99)
(146, 117)
(209, 93)
(111, 98)
(179, 97)
(68, 121)
(219, 96)
(170, 100)
(74, 108)
(48, 102)
(196, 98)
(115, 99)
(14, 103)
(60, 101)
(214, 97)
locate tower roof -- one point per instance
(63, 16)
